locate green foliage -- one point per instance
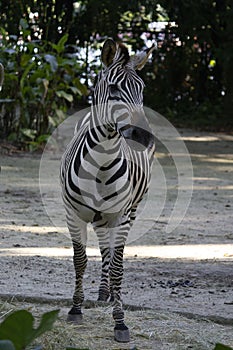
(41, 83)
(18, 329)
(190, 68)
(222, 347)
(52, 14)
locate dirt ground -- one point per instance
(184, 278)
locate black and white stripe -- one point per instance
(105, 172)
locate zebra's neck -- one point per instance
(103, 141)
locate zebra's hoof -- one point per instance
(75, 316)
(121, 334)
(77, 319)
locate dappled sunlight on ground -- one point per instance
(33, 229)
(190, 252)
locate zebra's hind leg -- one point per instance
(80, 261)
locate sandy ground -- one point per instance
(186, 272)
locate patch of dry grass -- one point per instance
(150, 330)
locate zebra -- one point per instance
(105, 171)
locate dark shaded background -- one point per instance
(189, 78)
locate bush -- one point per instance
(41, 83)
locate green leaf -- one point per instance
(25, 73)
(17, 327)
(42, 138)
(23, 23)
(10, 51)
(60, 46)
(25, 58)
(61, 115)
(64, 94)
(6, 345)
(29, 133)
(222, 347)
(51, 59)
(62, 41)
(81, 87)
(75, 90)
(46, 323)
(25, 27)
(13, 136)
(68, 62)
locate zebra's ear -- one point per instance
(108, 52)
(139, 60)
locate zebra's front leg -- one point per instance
(80, 262)
(121, 331)
(105, 288)
(102, 233)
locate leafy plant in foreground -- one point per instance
(17, 331)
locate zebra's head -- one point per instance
(118, 94)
